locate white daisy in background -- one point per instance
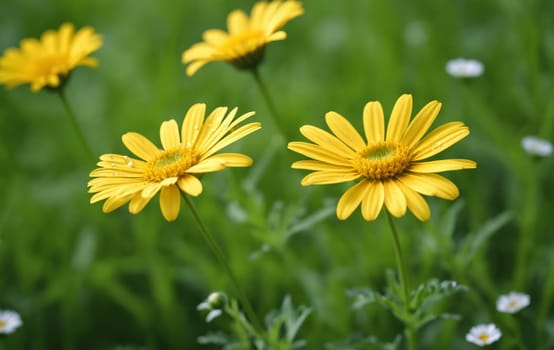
(512, 302)
(214, 304)
(9, 321)
(464, 68)
(536, 146)
(483, 334)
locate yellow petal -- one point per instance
(113, 203)
(281, 13)
(421, 123)
(192, 124)
(190, 185)
(169, 134)
(217, 133)
(215, 37)
(170, 201)
(341, 127)
(140, 145)
(327, 141)
(440, 139)
(151, 189)
(326, 177)
(237, 22)
(207, 166)
(233, 137)
(233, 159)
(316, 165)
(280, 35)
(195, 66)
(417, 205)
(351, 199)
(400, 117)
(374, 122)
(240, 119)
(394, 199)
(373, 200)
(137, 203)
(116, 173)
(318, 153)
(430, 185)
(120, 160)
(107, 191)
(209, 133)
(169, 181)
(198, 52)
(437, 166)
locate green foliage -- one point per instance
(422, 304)
(281, 333)
(82, 279)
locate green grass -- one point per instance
(82, 279)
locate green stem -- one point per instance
(410, 331)
(74, 124)
(528, 219)
(268, 100)
(218, 252)
(544, 308)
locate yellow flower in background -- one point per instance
(243, 46)
(50, 60)
(389, 164)
(186, 154)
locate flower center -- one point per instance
(244, 50)
(2, 324)
(512, 304)
(170, 163)
(483, 337)
(382, 160)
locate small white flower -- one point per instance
(214, 304)
(512, 302)
(536, 146)
(9, 321)
(464, 68)
(483, 334)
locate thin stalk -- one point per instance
(267, 97)
(75, 124)
(528, 220)
(410, 331)
(220, 256)
(544, 308)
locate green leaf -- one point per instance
(432, 291)
(474, 241)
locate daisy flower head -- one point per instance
(49, 61)
(464, 68)
(512, 302)
(387, 165)
(483, 334)
(244, 44)
(186, 153)
(214, 304)
(536, 146)
(9, 321)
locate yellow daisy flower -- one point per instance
(389, 164)
(50, 60)
(185, 155)
(244, 45)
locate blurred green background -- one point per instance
(82, 279)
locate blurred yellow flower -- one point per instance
(50, 60)
(244, 45)
(185, 155)
(388, 163)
